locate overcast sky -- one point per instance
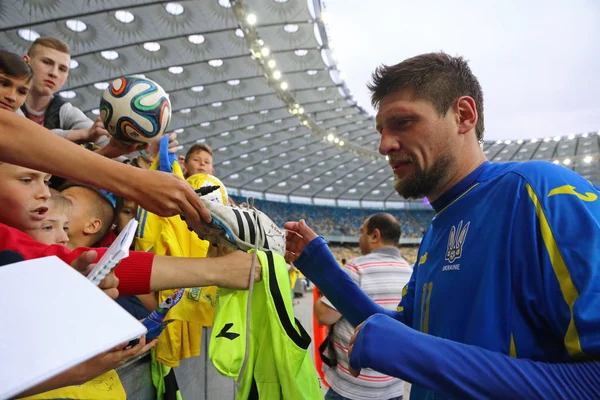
(538, 61)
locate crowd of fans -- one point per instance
(78, 216)
(337, 221)
(45, 215)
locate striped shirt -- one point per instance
(381, 274)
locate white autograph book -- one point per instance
(53, 319)
(117, 251)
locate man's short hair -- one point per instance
(103, 210)
(388, 226)
(12, 65)
(50, 42)
(196, 148)
(435, 77)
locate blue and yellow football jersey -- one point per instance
(507, 264)
(510, 264)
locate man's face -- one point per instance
(126, 214)
(54, 229)
(13, 91)
(50, 70)
(417, 141)
(200, 161)
(364, 242)
(24, 197)
(81, 211)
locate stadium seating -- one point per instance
(335, 221)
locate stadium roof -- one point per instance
(254, 79)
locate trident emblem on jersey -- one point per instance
(456, 241)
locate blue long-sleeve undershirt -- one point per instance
(318, 264)
(452, 369)
(461, 371)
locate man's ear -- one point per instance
(26, 58)
(93, 226)
(376, 235)
(466, 114)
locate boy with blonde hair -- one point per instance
(56, 223)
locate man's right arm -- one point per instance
(318, 264)
(228, 271)
(163, 194)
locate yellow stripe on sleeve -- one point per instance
(569, 292)
(513, 348)
(426, 325)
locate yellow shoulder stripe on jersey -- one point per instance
(568, 189)
(563, 276)
(458, 198)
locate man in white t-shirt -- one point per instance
(380, 272)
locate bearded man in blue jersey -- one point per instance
(504, 300)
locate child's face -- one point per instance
(200, 161)
(126, 214)
(13, 91)
(54, 228)
(24, 197)
(50, 70)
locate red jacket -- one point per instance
(133, 272)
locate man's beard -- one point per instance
(422, 182)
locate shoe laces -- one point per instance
(254, 213)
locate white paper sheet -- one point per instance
(53, 318)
